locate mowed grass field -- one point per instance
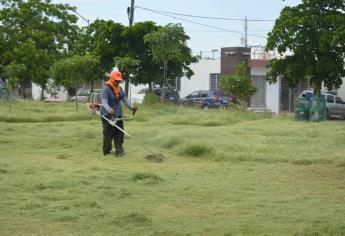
(220, 173)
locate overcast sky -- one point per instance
(202, 38)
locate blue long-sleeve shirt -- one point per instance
(109, 102)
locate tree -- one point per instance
(147, 71)
(128, 67)
(310, 39)
(102, 39)
(168, 44)
(72, 72)
(238, 85)
(35, 33)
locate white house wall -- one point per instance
(201, 77)
(36, 93)
(341, 90)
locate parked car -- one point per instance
(335, 106)
(171, 95)
(205, 99)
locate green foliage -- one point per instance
(239, 105)
(128, 66)
(151, 98)
(52, 88)
(238, 85)
(104, 40)
(37, 34)
(310, 40)
(73, 71)
(169, 48)
(148, 72)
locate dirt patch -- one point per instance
(157, 157)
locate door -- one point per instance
(331, 106)
(340, 106)
(259, 98)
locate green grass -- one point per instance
(223, 173)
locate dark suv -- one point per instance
(205, 99)
(170, 95)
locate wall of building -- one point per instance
(341, 90)
(36, 93)
(200, 79)
(231, 57)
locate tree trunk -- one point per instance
(317, 89)
(91, 86)
(164, 80)
(23, 88)
(76, 98)
(126, 86)
(42, 93)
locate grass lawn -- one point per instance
(222, 173)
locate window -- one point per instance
(214, 82)
(194, 94)
(177, 84)
(203, 94)
(339, 100)
(330, 99)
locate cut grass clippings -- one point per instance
(198, 150)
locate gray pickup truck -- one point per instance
(335, 106)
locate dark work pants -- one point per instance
(111, 133)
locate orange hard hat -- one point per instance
(116, 75)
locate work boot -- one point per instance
(105, 154)
(119, 152)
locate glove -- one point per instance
(134, 110)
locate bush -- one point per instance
(239, 105)
(151, 98)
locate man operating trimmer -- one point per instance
(112, 95)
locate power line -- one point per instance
(198, 23)
(204, 17)
(194, 22)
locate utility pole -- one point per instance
(88, 25)
(130, 12)
(245, 32)
(213, 51)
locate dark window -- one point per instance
(194, 95)
(339, 100)
(203, 94)
(330, 99)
